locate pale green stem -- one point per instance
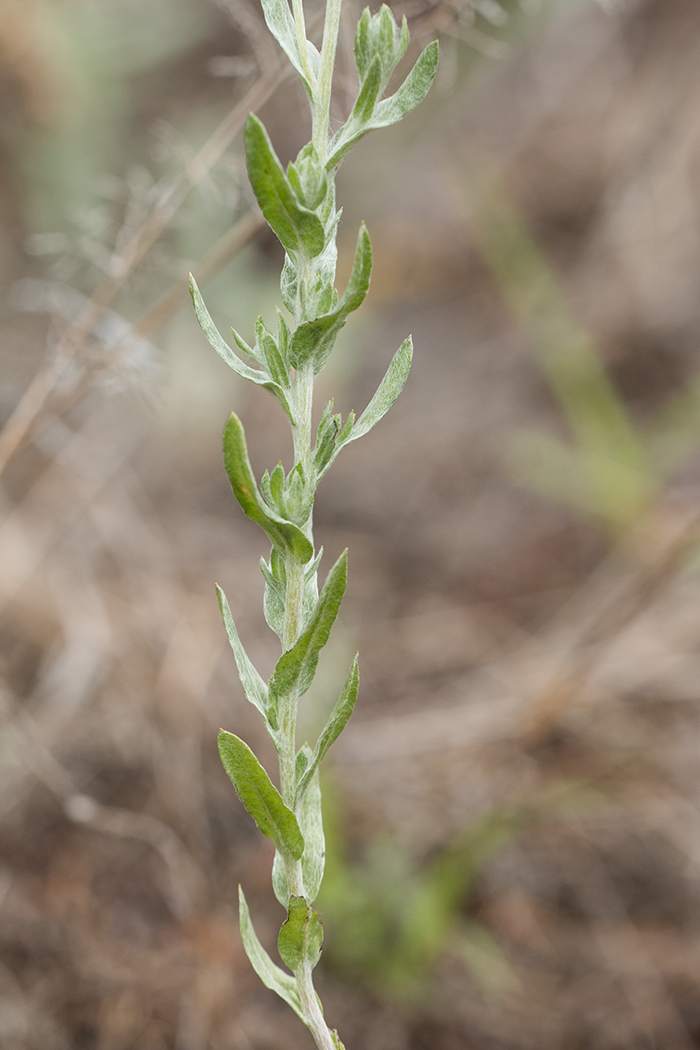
(303, 403)
(322, 96)
(309, 1001)
(295, 572)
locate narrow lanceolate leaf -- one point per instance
(271, 975)
(269, 353)
(412, 92)
(388, 390)
(279, 880)
(310, 817)
(301, 936)
(296, 668)
(281, 533)
(390, 110)
(334, 727)
(254, 687)
(358, 284)
(260, 796)
(364, 107)
(298, 228)
(232, 359)
(273, 601)
(314, 339)
(281, 25)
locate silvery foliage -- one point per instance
(299, 206)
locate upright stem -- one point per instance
(322, 101)
(303, 404)
(303, 384)
(314, 1016)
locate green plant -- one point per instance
(299, 206)
(393, 917)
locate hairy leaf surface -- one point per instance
(314, 339)
(301, 935)
(334, 727)
(271, 975)
(282, 534)
(296, 668)
(254, 687)
(281, 25)
(260, 796)
(298, 228)
(232, 359)
(390, 110)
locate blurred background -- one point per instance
(513, 813)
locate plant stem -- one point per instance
(304, 390)
(314, 1017)
(303, 386)
(303, 404)
(322, 102)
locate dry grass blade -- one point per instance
(37, 395)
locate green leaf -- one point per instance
(281, 25)
(388, 390)
(271, 975)
(298, 496)
(232, 359)
(282, 534)
(378, 36)
(390, 110)
(298, 228)
(254, 687)
(325, 445)
(364, 107)
(358, 284)
(314, 339)
(301, 936)
(260, 796)
(310, 817)
(336, 724)
(319, 294)
(277, 484)
(411, 93)
(267, 345)
(296, 668)
(389, 42)
(273, 602)
(347, 428)
(363, 54)
(243, 346)
(309, 598)
(307, 177)
(282, 337)
(279, 880)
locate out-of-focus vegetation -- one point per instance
(522, 769)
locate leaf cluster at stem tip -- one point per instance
(299, 204)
